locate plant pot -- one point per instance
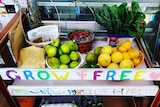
(114, 38)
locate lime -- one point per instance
(53, 62)
(97, 50)
(65, 48)
(74, 55)
(91, 58)
(60, 51)
(73, 64)
(64, 59)
(63, 66)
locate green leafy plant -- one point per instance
(122, 20)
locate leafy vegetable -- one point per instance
(121, 20)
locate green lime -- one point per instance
(91, 58)
(60, 51)
(73, 64)
(63, 66)
(86, 66)
(65, 48)
(74, 55)
(97, 50)
(64, 59)
(53, 62)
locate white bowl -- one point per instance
(81, 61)
(47, 33)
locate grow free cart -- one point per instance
(139, 82)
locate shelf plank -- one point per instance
(86, 87)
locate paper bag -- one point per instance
(32, 57)
(17, 39)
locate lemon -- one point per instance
(122, 49)
(104, 59)
(114, 49)
(136, 61)
(116, 57)
(126, 63)
(134, 53)
(127, 44)
(113, 65)
(126, 55)
(106, 49)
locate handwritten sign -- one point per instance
(80, 74)
(92, 90)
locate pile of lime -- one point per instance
(62, 55)
(92, 58)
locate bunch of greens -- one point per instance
(122, 20)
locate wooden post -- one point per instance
(156, 100)
(6, 94)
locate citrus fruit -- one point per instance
(116, 57)
(63, 66)
(127, 44)
(126, 55)
(74, 55)
(60, 51)
(106, 49)
(114, 49)
(97, 50)
(122, 49)
(136, 61)
(64, 59)
(91, 58)
(104, 59)
(73, 64)
(134, 53)
(113, 65)
(126, 63)
(53, 62)
(65, 48)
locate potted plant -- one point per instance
(120, 21)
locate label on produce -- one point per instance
(80, 74)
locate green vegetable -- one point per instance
(86, 66)
(121, 20)
(95, 66)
